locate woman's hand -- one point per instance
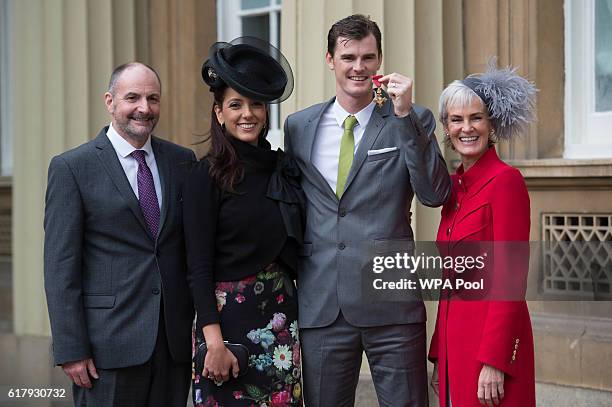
(435, 382)
(490, 386)
(218, 363)
(219, 360)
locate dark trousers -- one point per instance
(160, 382)
(331, 360)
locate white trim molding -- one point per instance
(587, 132)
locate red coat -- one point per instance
(489, 203)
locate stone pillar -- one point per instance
(180, 33)
(62, 54)
(506, 29)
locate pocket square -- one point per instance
(381, 151)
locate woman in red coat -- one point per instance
(483, 350)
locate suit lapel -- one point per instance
(165, 176)
(310, 130)
(375, 126)
(110, 162)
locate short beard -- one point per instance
(137, 137)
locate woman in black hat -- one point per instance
(242, 224)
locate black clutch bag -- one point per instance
(240, 351)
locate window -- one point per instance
(588, 87)
(254, 18)
(6, 160)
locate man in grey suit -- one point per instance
(359, 179)
(117, 293)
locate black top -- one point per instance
(233, 235)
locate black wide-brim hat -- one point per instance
(252, 67)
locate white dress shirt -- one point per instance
(326, 147)
(129, 163)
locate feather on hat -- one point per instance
(509, 98)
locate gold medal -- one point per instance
(379, 99)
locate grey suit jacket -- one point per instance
(371, 217)
(105, 275)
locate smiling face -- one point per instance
(468, 128)
(354, 62)
(134, 104)
(244, 118)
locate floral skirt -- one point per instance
(259, 312)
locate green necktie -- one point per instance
(347, 151)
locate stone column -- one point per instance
(62, 53)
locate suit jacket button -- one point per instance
(342, 213)
(448, 231)
(155, 291)
(341, 246)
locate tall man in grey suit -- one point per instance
(359, 177)
(115, 269)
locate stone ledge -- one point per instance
(552, 174)
(571, 325)
(559, 167)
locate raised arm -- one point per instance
(428, 173)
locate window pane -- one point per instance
(249, 4)
(256, 26)
(603, 56)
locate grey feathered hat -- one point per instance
(509, 98)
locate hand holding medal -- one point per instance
(399, 89)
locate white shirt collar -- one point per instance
(363, 116)
(123, 147)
